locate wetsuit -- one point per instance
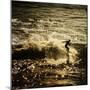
(67, 44)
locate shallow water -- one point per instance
(32, 74)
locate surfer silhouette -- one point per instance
(67, 44)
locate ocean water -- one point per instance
(39, 34)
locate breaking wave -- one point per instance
(53, 51)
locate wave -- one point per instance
(53, 51)
(38, 35)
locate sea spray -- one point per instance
(53, 51)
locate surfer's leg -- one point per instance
(67, 55)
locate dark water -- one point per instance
(39, 56)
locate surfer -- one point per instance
(67, 48)
(67, 45)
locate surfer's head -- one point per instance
(69, 40)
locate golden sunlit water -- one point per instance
(39, 35)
